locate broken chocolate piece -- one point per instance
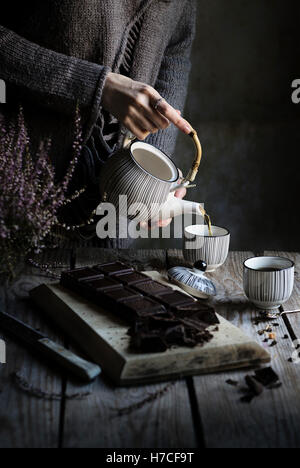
(233, 383)
(197, 314)
(274, 343)
(148, 343)
(266, 376)
(131, 279)
(115, 268)
(152, 288)
(175, 335)
(254, 385)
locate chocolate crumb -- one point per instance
(233, 383)
(266, 376)
(274, 343)
(286, 337)
(255, 386)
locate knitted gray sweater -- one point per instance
(56, 54)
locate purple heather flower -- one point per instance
(29, 196)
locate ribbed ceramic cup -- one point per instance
(199, 245)
(268, 281)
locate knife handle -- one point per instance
(81, 368)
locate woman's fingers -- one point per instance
(159, 120)
(136, 130)
(142, 121)
(172, 115)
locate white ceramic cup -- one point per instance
(199, 245)
(269, 281)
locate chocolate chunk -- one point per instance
(255, 386)
(149, 343)
(266, 376)
(233, 383)
(121, 295)
(102, 284)
(114, 268)
(131, 279)
(175, 335)
(197, 314)
(152, 288)
(175, 299)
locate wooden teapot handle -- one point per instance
(197, 161)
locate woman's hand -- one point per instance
(139, 107)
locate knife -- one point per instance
(81, 368)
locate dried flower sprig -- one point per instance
(30, 198)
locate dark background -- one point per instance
(245, 57)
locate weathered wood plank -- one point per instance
(164, 421)
(273, 419)
(26, 421)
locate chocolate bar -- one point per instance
(143, 307)
(152, 289)
(121, 295)
(174, 299)
(101, 284)
(112, 269)
(159, 316)
(133, 278)
(75, 279)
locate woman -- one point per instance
(125, 63)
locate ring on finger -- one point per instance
(156, 105)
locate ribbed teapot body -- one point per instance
(135, 193)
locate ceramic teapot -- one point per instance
(140, 181)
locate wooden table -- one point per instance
(39, 407)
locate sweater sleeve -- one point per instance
(172, 82)
(51, 79)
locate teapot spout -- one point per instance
(177, 207)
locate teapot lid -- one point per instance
(193, 280)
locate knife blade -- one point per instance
(81, 368)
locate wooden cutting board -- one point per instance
(103, 337)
